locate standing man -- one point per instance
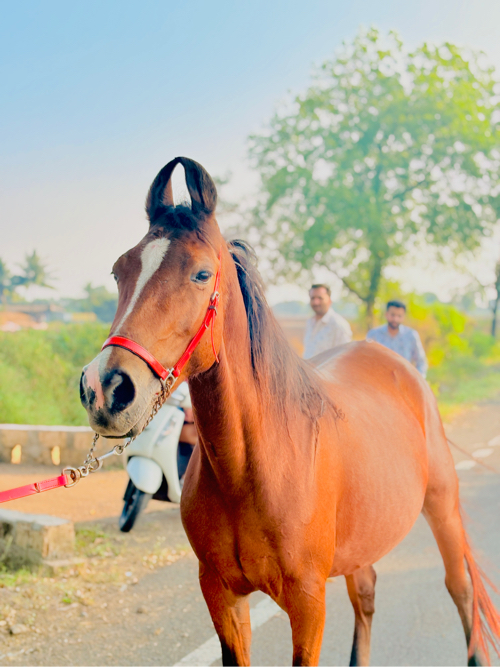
(399, 338)
(326, 329)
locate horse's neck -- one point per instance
(225, 400)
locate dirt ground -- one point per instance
(86, 613)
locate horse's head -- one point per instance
(165, 284)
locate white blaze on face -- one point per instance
(151, 258)
(93, 374)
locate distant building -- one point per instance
(12, 322)
(38, 316)
(40, 312)
(83, 317)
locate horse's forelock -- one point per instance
(176, 218)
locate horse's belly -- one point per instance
(369, 531)
(380, 504)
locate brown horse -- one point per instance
(303, 471)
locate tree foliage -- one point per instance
(386, 151)
(33, 272)
(98, 300)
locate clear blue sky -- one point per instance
(98, 96)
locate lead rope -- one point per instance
(94, 464)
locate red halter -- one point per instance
(169, 375)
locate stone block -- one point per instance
(47, 441)
(47, 536)
(38, 442)
(81, 443)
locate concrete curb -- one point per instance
(45, 445)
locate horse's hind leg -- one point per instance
(441, 509)
(361, 589)
(231, 618)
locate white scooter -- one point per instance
(153, 461)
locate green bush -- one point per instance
(40, 373)
(464, 360)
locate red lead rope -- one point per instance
(36, 487)
(170, 374)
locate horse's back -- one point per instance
(373, 365)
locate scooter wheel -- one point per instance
(135, 502)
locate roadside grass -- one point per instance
(462, 383)
(102, 557)
(97, 590)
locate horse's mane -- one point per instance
(284, 379)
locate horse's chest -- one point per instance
(247, 554)
(253, 563)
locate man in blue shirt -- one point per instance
(399, 338)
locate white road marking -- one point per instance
(210, 650)
(151, 258)
(482, 453)
(465, 465)
(494, 442)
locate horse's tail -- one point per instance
(485, 618)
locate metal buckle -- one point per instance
(75, 475)
(95, 465)
(170, 380)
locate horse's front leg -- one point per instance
(304, 601)
(231, 618)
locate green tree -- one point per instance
(386, 151)
(4, 281)
(98, 300)
(33, 272)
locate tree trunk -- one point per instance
(496, 302)
(375, 278)
(369, 313)
(494, 318)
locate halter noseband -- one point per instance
(168, 376)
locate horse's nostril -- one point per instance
(83, 394)
(122, 391)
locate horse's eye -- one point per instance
(203, 277)
(115, 277)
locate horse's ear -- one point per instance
(160, 193)
(201, 188)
